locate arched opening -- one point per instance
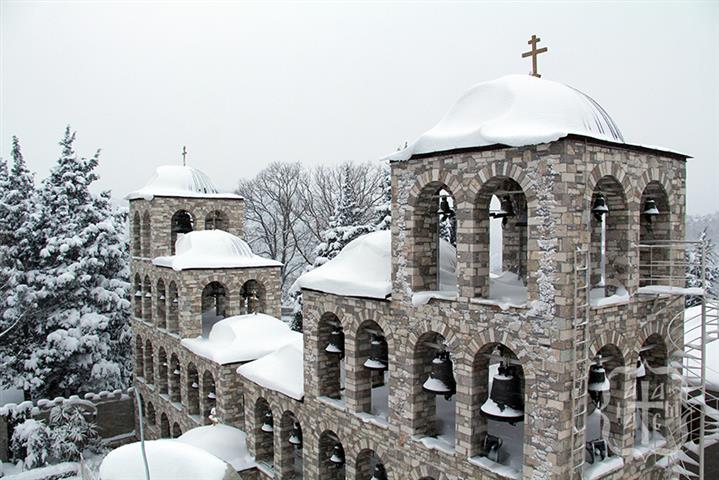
(372, 369)
(433, 389)
(216, 220)
(175, 374)
(290, 452)
(331, 344)
(182, 222)
(150, 414)
(139, 358)
(137, 303)
(176, 430)
(173, 320)
(162, 371)
(331, 457)
(164, 426)
(651, 394)
(604, 424)
(136, 237)
(252, 297)
(149, 363)
(147, 300)
(209, 395)
(146, 231)
(500, 217)
(264, 434)
(434, 238)
(161, 309)
(654, 232)
(193, 387)
(497, 403)
(369, 466)
(609, 226)
(214, 306)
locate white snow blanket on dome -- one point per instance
(167, 459)
(213, 249)
(281, 371)
(223, 441)
(178, 181)
(242, 338)
(515, 110)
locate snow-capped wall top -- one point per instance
(515, 110)
(213, 249)
(281, 370)
(179, 181)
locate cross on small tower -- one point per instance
(533, 53)
(184, 156)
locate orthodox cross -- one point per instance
(184, 156)
(533, 53)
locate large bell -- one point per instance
(378, 356)
(598, 384)
(505, 402)
(445, 211)
(267, 423)
(183, 223)
(441, 379)
(600, 207)
(296, 436)
(338, 455)
(379, 472)
(336, 343)
(650, 209)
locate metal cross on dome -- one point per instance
(184, 156)
(533, 53)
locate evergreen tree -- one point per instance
(383, 212)
(344, 227)
(694, 259)
(78, 338)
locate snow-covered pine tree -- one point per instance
(383, 211)
(79, 338)
(344, 227)
(711, 268)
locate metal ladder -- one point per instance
(581, 358)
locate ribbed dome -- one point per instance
(515, 110)
(178, 181)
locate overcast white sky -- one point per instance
(245, 84)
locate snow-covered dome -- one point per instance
(179, 181)
(212, 249)
(515, 110)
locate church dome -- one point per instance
(179, 181)
(515, 110)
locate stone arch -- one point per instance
(614, 170)
(162, 377)
(137, 303)
(136, 235)
(147, 299)
(176, 430)
(173, 310)
(507, 170)
(328, 445)
(371, 380)
(208, 395)
(181, 223)
(214, 303)
(653, 391)
(290, 461)
(427, 472)
(365, 463)
(174, 377)
(139, 357)
(193, 387)
(253, 297)
(164, 426)
(331, 350)
(146, 234)
(654, 216)
(161, 304)
(264, 432)
(217, 220)
(653, 175)
(149, 363)
(150, 414)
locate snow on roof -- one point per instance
(515, 110)
(281, 371)
(242, 338)
(364, 268)
(179, 181)
(692, 319)
(167, 459)
(213, 249)
(223, 441)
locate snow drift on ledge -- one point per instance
(213, 249)
(515, 110)
(179, 181)
(242, 338)
(281, 371)
(223, 441)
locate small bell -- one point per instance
(212, 395)
(296, 436)
(378, 358)
(138, 293)
(445, 211)
(176, 371)
(338, 456)
(504, 403)
(162, 297)
(650, 209)
(148, 295)
(267, 423)
(379, 473)
(174, 301)
(600, 208)
(195, 385)
(441, 379)
(598, 384)
(336, 344)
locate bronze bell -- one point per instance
(267, 423)
(296, 436)
(441, 379)
(598, 384)
(379, 472)
(600, 207)
(338, 455)
(378, 357)
(336, 343)
(505, 402)
(650, 209)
